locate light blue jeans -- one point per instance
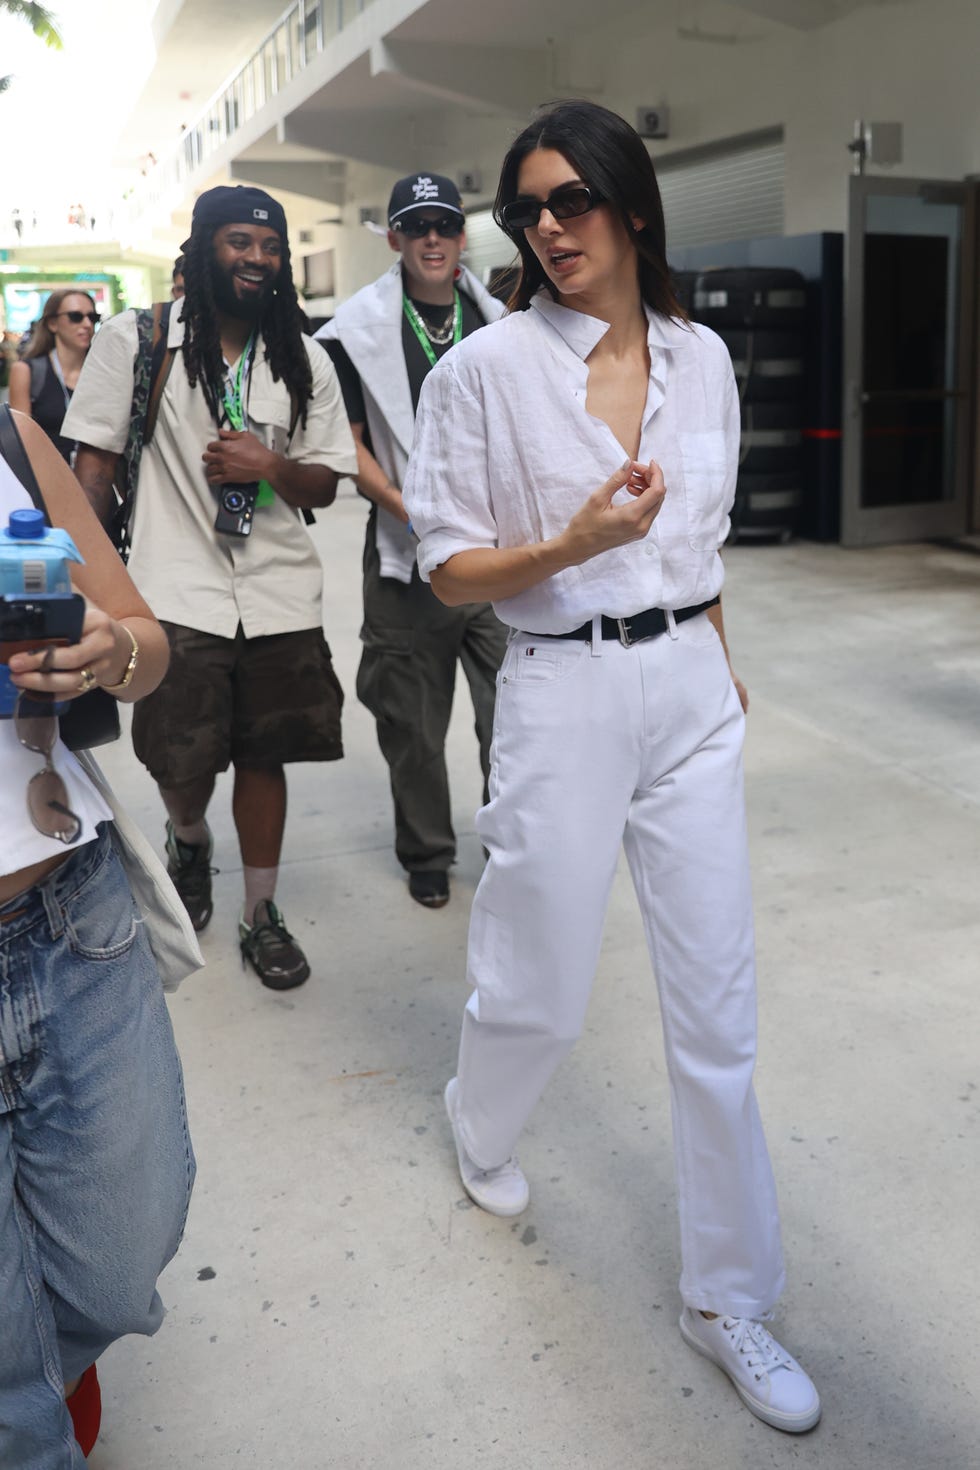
(96, 1165)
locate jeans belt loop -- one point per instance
(595, 642)
(671, 625)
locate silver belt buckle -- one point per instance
(625, 637)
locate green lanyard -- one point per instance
(234, 407)
(233, 398)
(418, 326)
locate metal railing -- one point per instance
(301, 33)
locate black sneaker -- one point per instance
(271, 950)
(189, 865)
(430, 889)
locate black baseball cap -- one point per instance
(423, 191)
(237, 205)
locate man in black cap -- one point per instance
(250, 434)
(383, 342)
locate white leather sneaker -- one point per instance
(500, 1191)
(766, 1378)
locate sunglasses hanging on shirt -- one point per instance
(36, 724)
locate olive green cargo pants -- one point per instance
(407, 677)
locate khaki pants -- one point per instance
(407, 677)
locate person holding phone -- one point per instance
(575, 463)
(43, 383)
(96, 1165)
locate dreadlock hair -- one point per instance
(281, 326)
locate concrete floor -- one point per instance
(338, 1302)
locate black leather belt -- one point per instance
(642, 625)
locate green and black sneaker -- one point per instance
(189, 866)
(270, 948)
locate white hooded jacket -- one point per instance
(369, 328)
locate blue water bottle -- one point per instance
(34, 557)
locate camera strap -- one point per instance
(234, 403)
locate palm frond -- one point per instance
(41, 21)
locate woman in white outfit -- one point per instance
(618, 718)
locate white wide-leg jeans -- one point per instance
(595, 746)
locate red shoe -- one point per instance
(85, 1408)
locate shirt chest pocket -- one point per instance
(707, 478)
(269, 417)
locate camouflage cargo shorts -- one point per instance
(248, 702)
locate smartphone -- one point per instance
(40, 620)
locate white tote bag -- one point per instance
(169, 930)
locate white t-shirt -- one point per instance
(270, 581)
(505, 452)
(21, 844)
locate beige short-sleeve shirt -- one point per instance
(270, 581)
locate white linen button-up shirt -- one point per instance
(189, 573)
(505, 452)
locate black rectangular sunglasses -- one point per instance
(446, 226)
(568, 202)
(76, 317)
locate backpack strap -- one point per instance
(13, 451)
(39, 371)
(295, 409)
(161, 361)
(151, 367)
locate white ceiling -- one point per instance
(199, 45)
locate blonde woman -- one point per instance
(42, 385)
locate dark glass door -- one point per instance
(907, 360)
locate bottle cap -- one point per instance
(26, 525)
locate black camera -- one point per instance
(236, 507)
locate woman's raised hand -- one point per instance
(600, 525)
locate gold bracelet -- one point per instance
(127, 677)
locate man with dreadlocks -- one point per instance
(251, 432)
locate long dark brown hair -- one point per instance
(611, 158)
(281, 325)
(42, 337)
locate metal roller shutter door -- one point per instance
(727, 191)
(486, 246)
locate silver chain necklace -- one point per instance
(439, 336)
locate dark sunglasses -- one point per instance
(75, 317)
(47, 796)
(568, 202)
(447, 226)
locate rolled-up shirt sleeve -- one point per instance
(733, 442)
(326, 438)
(447, 487)
(101, 405)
